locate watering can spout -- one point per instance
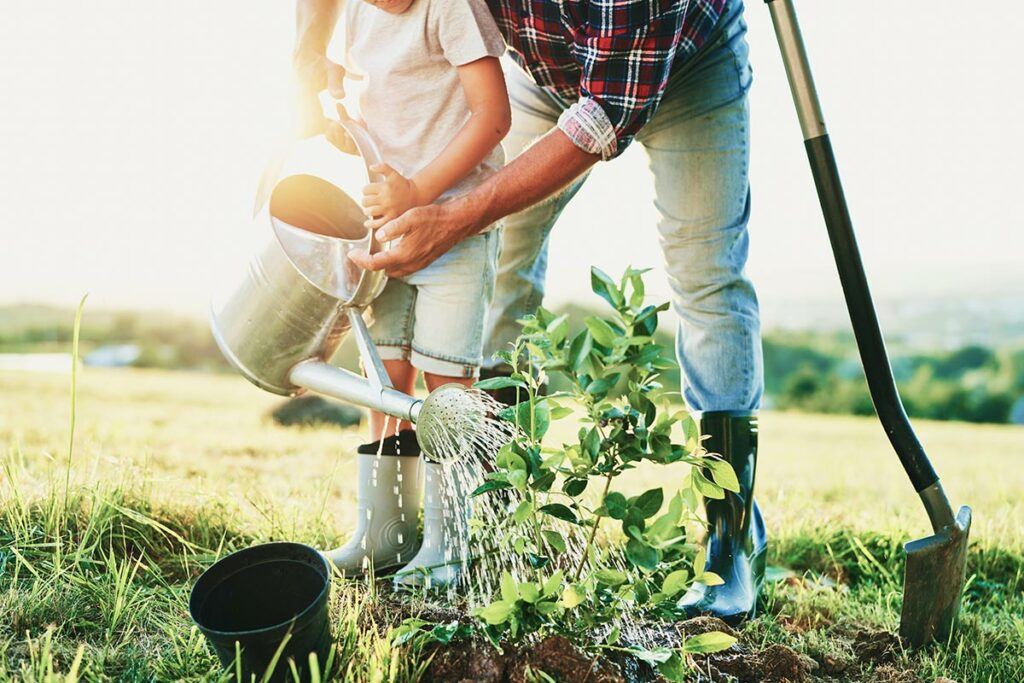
(344, 385)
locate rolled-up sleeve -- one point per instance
(589, 128)
(626, 62)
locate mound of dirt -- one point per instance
(892, 674)
(556, 656)
(880, 647)
(559, 658)
(467, 662)
(775, 663)
(310, 410)
(699, 625)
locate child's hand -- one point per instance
(388, 199)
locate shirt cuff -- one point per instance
(589, 128)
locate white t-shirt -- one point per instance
(402, 69)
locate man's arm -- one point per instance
(314, 26)
(427, 232)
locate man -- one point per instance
(593, 76)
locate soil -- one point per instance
(557, 657)
(858, 655)
(880, 647)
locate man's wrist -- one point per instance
(466, 214)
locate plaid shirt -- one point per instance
(614, 57)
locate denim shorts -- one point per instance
(435, 317)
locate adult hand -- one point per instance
(426, 232)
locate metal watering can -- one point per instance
(301, 296)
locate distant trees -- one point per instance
(808, 371)
(819, 373)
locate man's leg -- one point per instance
(698, 146)
(703, 197)
(522, 266)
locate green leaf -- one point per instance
(517, 478)
(663, 528)
(674, 669)
(522, 512)
(555, 540)
(610, 577)
(499, 383)
(675, 582)
(534, 417)
(616, 505)
(537, 561)
(490, 485)
(574, 487)
(560, 412)
(573, 596)
(543, 482)
(653, 656)
(642, 555)
(546, 607)
(602, 386)
(579, 350)
(691, 432)
(509, 587)
(699, 562)
(724, 475)
(705, 643)
(554, 582)
(707, 488)
(406, 631)
(497, 612)
(592, 442)
(529, 592)
(637, 280)
(601, 331)
(444, 633)
(648, 503)
(557, 328)
(710, 579)
(508, 459)
(605, 287)
(560, 511)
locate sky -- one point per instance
(133, 134)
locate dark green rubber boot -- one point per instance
(736, 534)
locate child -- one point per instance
(433, 98)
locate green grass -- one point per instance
(172, 470)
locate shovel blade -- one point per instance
(934, 580)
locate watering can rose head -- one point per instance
(456, 423)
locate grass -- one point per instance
(171, 470)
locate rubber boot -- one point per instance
(446, 511)
(388, 507)
(736, 534)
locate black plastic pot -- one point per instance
(258, 596)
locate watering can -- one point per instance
(301, 296)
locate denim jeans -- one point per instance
(697, 145)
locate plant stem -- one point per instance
(593, 529)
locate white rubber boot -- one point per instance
(389, 506)
(446, 511)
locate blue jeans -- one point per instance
(698, 145)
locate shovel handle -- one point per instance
(871, 345)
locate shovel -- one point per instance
(936, 564)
